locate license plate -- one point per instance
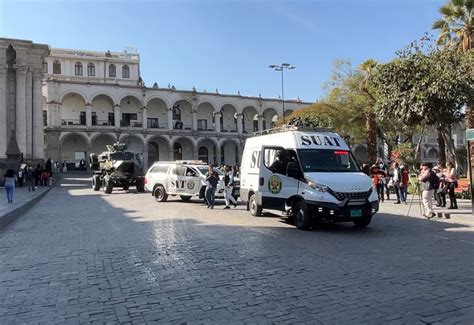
(356, 213)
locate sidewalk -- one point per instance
(22, 201)
(461, 215)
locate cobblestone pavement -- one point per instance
(81, 256)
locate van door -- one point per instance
(274, 184)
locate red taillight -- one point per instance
(341, 152)
(146, 180)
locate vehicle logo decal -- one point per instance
(190, 184)
(274, 184)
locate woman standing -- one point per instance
(452, 183)
(229, 185)
(10, 184)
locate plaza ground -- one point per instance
(81, 256)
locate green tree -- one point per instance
(425, 86)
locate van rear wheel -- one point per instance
(303, 219)
(160, 194)
(255, 209)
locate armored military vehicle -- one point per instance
(117, 167)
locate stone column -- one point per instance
(20, 114)
(117, 116)
(218, 155)
(170, 120)
(260, 123)
(3, 111)
(29, 115)
(239, 123)
(38, 131)
(144, 118)
(88, 115)
(145, 159)
(195, 120)
(217, 121)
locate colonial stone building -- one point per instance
(96, 98)
(21, 113)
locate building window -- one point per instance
(176, 113)
(91, 70)
(45, 118)
(203, 154)
(152, 123)
(82, 118)
(94, 118)
(125, 71)
(178, 151)
(202, 125)
(56, 67)
(78, 69)
(111, 117)
(45, 67)
(112, 71)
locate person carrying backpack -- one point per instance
(428, 181)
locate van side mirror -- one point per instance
(293, 170)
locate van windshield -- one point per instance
(122, 155)
(328, 161)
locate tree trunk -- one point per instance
(441, 146)
(371, 126)
(451, 147)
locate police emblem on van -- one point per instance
(190, 184)
(274, 184)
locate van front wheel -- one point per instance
(303, 218)
(255, 209)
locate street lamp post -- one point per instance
(281, 67)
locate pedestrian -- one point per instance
(10, 184)
(212, 181)
(64, 167)
(404, 183)
(440, 192)
(29, 178)
(377, 178)
(383, 168)
(228, 186)
(396, 180)
(37, 175)
(44, 177)
(365, 169)
(452, 184)
(20, 177)
(427, 189)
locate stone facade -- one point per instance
(21, 113)
(106, 101)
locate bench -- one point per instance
(463, 187)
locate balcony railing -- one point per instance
(72, 122)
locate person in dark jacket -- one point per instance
(10, 184)
(212, 181)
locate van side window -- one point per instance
(180, 170)
(190, 172)
(159, 169)
(276, 160)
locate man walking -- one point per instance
(427, 189)
(397, 178)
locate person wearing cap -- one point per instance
(427, 189)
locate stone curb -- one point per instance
(12, 216)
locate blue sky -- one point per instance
(228, 44)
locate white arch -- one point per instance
(64, 136)
(136, 96)
(165, 100)
(168, 142)
(103, 93)
(69, 92)
(127, 135)
(95, 136)
(210, 102)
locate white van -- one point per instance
(309, 174)
(184, 178)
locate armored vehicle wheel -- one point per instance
(160, 194)
(96, 182)
(255, 209)
(303, 219)
(140, 186)
(185, 198)
(362, 222)
(108, 186)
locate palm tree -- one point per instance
(457, 31)
(367, 69)
(457, 25)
